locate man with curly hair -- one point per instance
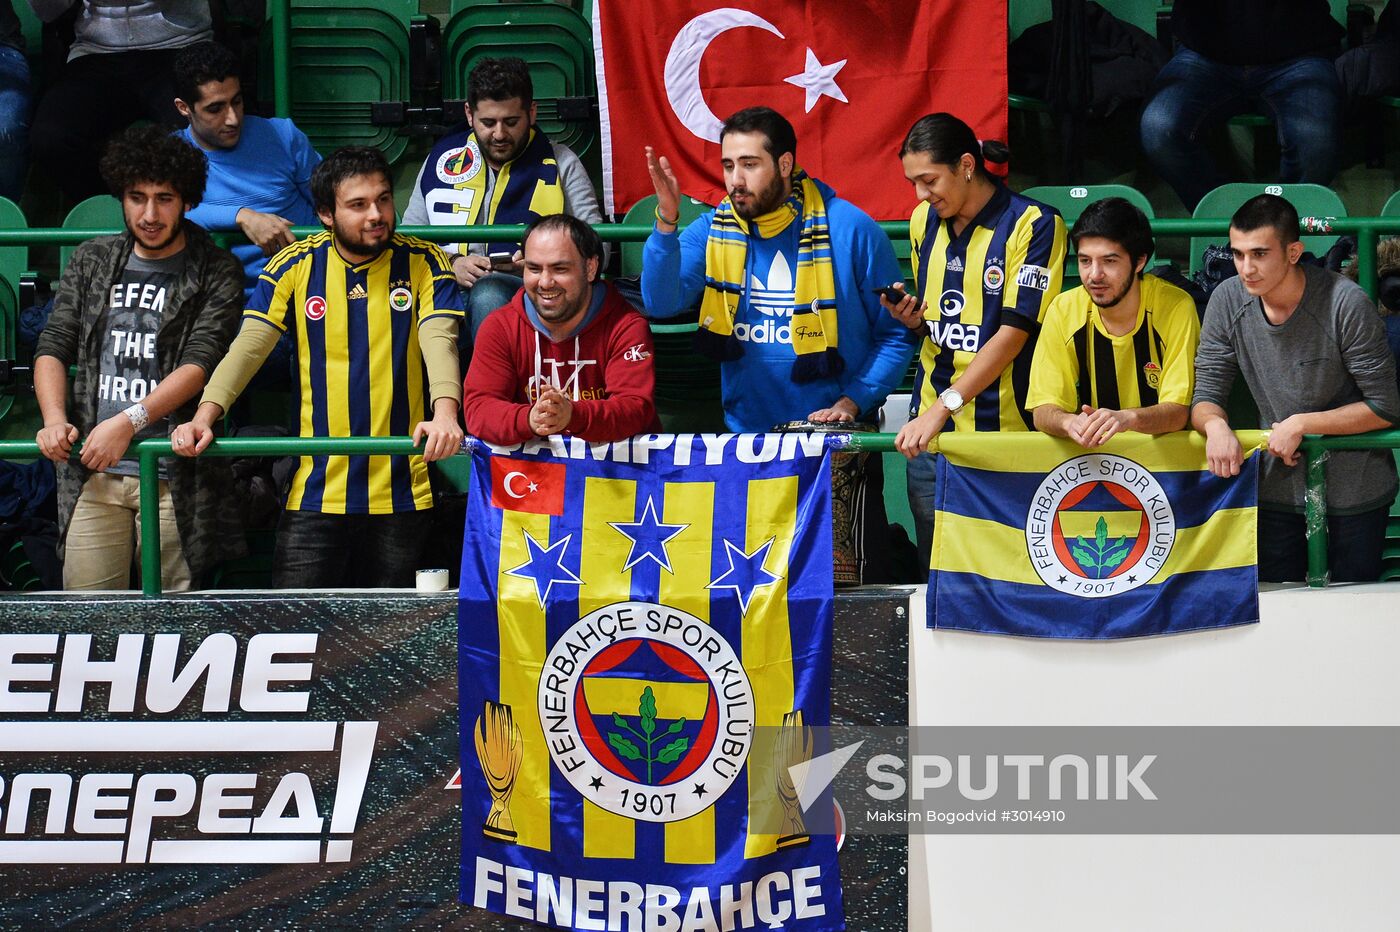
(144, 316)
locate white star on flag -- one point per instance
(818, 79)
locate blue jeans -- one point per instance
(919, 483)
(1195, 94)
(1354, 545)
(16, 105)
(321, 551)
(492, 290)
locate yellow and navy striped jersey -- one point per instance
(359, 368)
(1077, 362)
(1003, 269)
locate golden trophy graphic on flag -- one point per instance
(499, 749)
(794, 747)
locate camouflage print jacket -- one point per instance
(198, 324)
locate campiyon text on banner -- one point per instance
(843, 73)
(633, 617)
(1036, 536)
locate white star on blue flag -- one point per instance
(649, 537)
(746, 572)
(546, 566)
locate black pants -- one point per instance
(93, 98)
(1354, 545)
(319, 551)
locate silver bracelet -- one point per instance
(138, 416)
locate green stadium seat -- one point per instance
(1070, 200)
(1392, 205)
(556, 41)
(99, 212)
(687, 384)
(1312, 200)
(644, 211)
(346, 55)
(14, 262)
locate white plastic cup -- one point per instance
(431, 580)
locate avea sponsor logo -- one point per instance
(954, 335)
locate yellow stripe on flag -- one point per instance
(767, 639)
(608, 694)
(996, 551)
(605, 552)
(692, 840)
(1013, 451)
(520, 620)
(1086, 523)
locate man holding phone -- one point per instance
(497, 168)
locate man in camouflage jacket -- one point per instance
(145, 316)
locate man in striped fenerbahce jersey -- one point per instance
(1116, 353)
(375, 317)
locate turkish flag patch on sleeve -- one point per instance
(518, 485)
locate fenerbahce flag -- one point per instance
(645, 646)
(1036, 536)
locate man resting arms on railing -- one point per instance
(1313, 353)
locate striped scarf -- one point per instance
(814, 297)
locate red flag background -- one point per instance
(669, 71)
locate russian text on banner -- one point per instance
(844, 74)
(1035, 536)
(633, 617)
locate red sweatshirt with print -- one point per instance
(605, 368)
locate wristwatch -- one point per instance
(952, 399)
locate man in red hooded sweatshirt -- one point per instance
(566, 355)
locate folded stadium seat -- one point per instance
(687, 384)
(555, 40)
(99, 212)
(1312, 200)
(1070, 201)
(644, 212)
(345, 56)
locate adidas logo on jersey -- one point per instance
(357, 292)
(954, 265)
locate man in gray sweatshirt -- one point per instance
(1313, 353)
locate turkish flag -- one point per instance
(520, 485)
(851, 75)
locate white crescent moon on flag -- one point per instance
(682, 72)
(505, 483)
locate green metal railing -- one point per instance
(1368, 231)
(149, 452)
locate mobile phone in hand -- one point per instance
(502, 260)
(892, 294)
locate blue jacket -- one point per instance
(757, 389)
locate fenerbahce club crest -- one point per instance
(646, 711)
(1099, 525)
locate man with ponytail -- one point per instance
(785, 273)
(987, 263)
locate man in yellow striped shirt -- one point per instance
(375, 317)
(1117, 352)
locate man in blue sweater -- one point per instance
(259, 170)
(786, 274)
(758, 263)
